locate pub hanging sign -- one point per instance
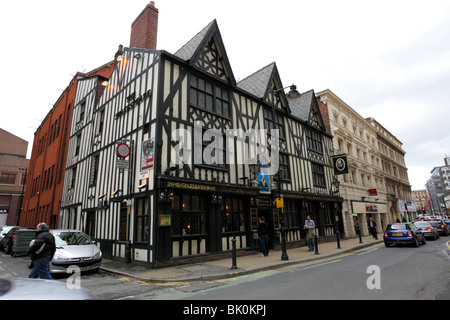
(340, 164)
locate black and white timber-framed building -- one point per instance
(133, 175)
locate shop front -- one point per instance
(196, 220)
(362, 212)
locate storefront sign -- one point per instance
(340, 164)
(132, 101)
(165, 220)
(148, 153)
(263, 179)
(371, 208)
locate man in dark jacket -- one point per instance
(263, 233)
(41, 252)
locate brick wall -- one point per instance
(144, 30)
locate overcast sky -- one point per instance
(387, 59)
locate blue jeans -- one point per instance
(40, 269)
(264, 242)
(310, 243)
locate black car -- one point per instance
(442, 227)
(8, 240)
(428, 229)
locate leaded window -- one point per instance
(209, 96)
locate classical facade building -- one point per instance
(13, 173)
(395, 172)
(420, 197)
(176, 159)
(363, 187)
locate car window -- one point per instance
(72, 238)
(422, 224)
(6, 229)
(412, 227)
(396, 227)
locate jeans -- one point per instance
(264, 242)
(310, 243)
(40, 269)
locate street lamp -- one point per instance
(22, 195)
(254, 170)
(284, 255)
(336, 184)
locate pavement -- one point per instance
(222, 269)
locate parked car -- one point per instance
(38, 289)
(442, 227)
(3, 231)
(403, 232)
(428, 229)
(8, 238)
(74, 248)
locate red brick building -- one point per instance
(48, 159)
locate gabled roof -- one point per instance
(266, 84)
(188, 50)
(307, 109)
(200, 47)
(258, 83)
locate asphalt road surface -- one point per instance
(374, 273)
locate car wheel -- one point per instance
(416, 242)
(423, 240)
(387, 244)
(8, 248)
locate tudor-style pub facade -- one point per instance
(164, 160)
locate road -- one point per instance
(402, 272)
(373, 273)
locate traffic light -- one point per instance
(423, 210)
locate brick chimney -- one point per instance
(144, 30)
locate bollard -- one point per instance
(360, 238)
(338, 240)
(234, 264)
(316, 246)
(128, 252)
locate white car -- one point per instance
(74, 248)
(38, 289)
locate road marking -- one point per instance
(321, 264)
(368, 251)
(448, 244)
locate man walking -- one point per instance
(310, 226)
(372, 228)
(41, 252)
(263, 233)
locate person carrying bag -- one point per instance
(41, 252)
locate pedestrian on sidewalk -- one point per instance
(309, 227)
(41, 252)
(372, 228)
(263, 233)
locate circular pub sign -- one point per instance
(123, 150)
